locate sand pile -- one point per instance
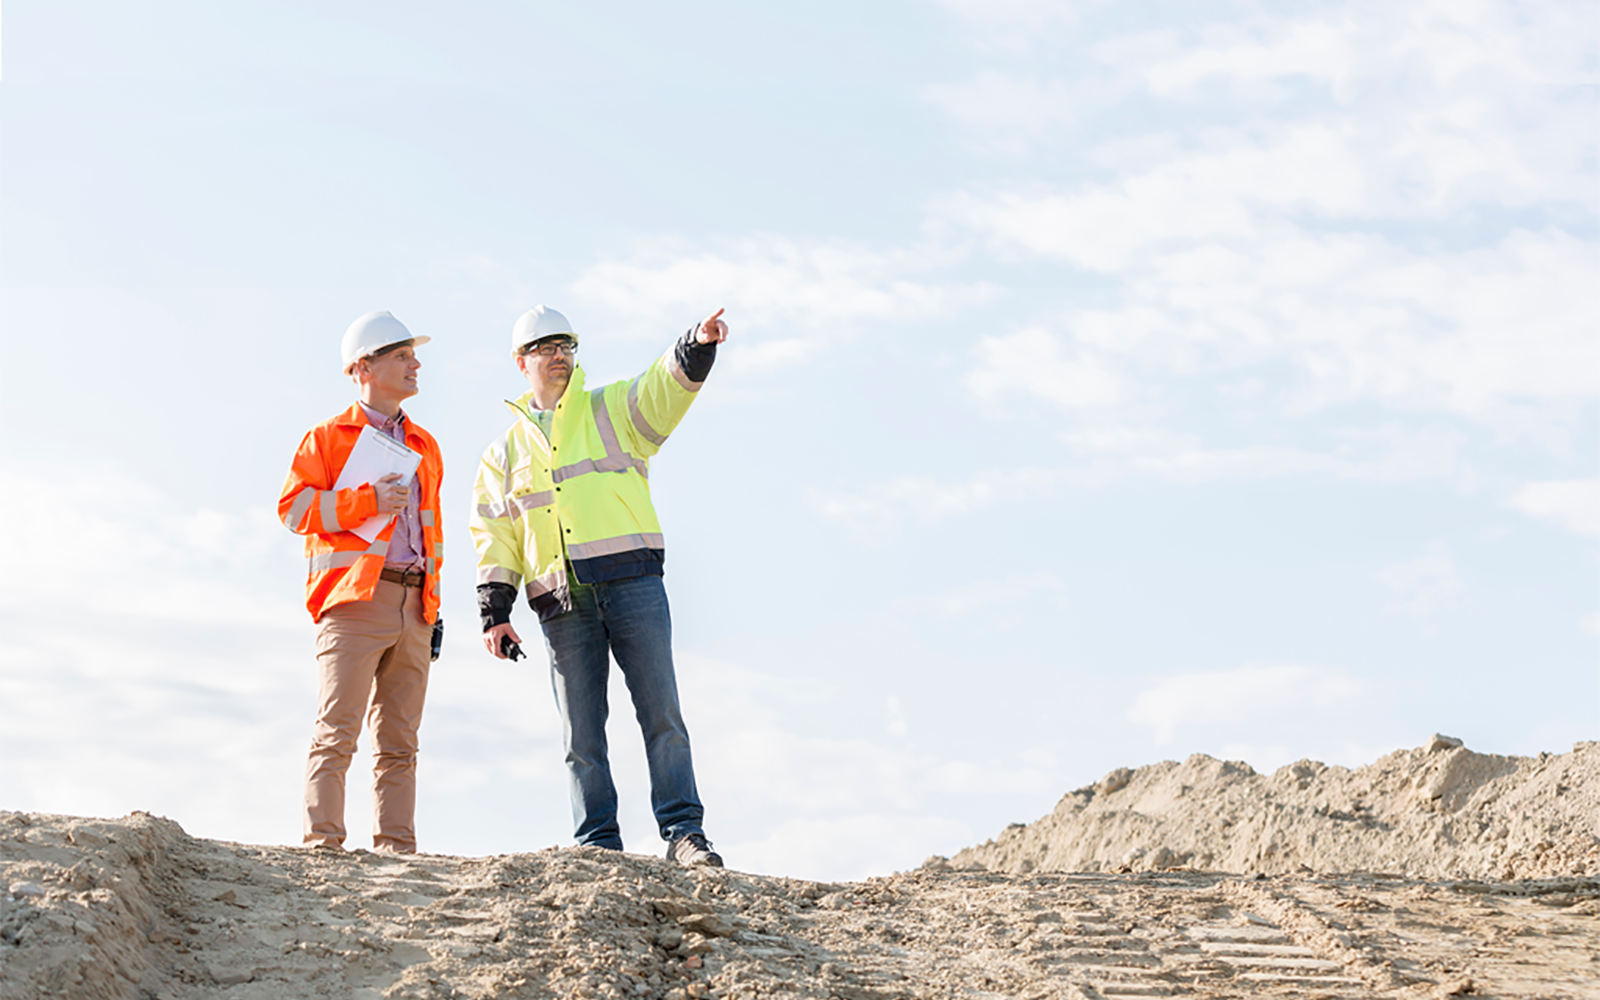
(135, 909)
(1439, 811)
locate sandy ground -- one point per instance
(135, 908)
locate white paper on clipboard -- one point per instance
(375, 456)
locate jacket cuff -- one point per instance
(495, 601)
(694, 357)
(366, 502)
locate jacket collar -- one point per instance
(355, 416)
(523, 406)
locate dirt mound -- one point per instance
(136, 910)
(1439, 811)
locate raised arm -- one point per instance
(649, 408)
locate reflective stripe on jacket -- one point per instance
(582, 494)
(340, 565)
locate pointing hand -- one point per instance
(713, 330)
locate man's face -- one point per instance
(394, 374)
(546, 366)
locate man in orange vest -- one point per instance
(376, 603)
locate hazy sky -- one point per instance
(1108, 383)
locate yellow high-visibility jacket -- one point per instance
(582, 495)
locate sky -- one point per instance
(1108, 383)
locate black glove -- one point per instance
(495, 601)
(694, 357)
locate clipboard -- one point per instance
(374, 456)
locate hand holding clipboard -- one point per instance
(375, 457)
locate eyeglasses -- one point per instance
(550, 348)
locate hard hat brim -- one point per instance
(414, 341)
(530, 345)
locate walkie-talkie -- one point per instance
(509, 649)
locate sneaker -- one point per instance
(693, 849)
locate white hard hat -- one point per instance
(536, 324)
(371, 334)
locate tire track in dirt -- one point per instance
(136, 909)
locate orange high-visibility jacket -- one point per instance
(340, 565)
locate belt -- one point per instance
(403, 579)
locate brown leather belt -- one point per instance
(403, 579)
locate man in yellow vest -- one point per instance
(561, 508)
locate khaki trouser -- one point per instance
(372, 657)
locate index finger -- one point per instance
(713, 317)
(391, 477)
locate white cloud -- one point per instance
(1426, 584)
(1473, 57)
(1295, 237)
(1131, 450)
(1241, 55)
(1393, 453)
(1198, 465)
(103, 713)
(881, 509)
(140, 628)
(1230, 183)
(1034, 363)
(981, 595)
(821, 292)
(1014, 25)
(1126, 440)
(1574, 504)
(1010, 111)
(1500, 335)
(1031, 12)
(1240, 695)
(1431, 104)
(1111, 452)
(183, 564)
(1099, 229)
(897, 725)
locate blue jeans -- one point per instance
(627, 619)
